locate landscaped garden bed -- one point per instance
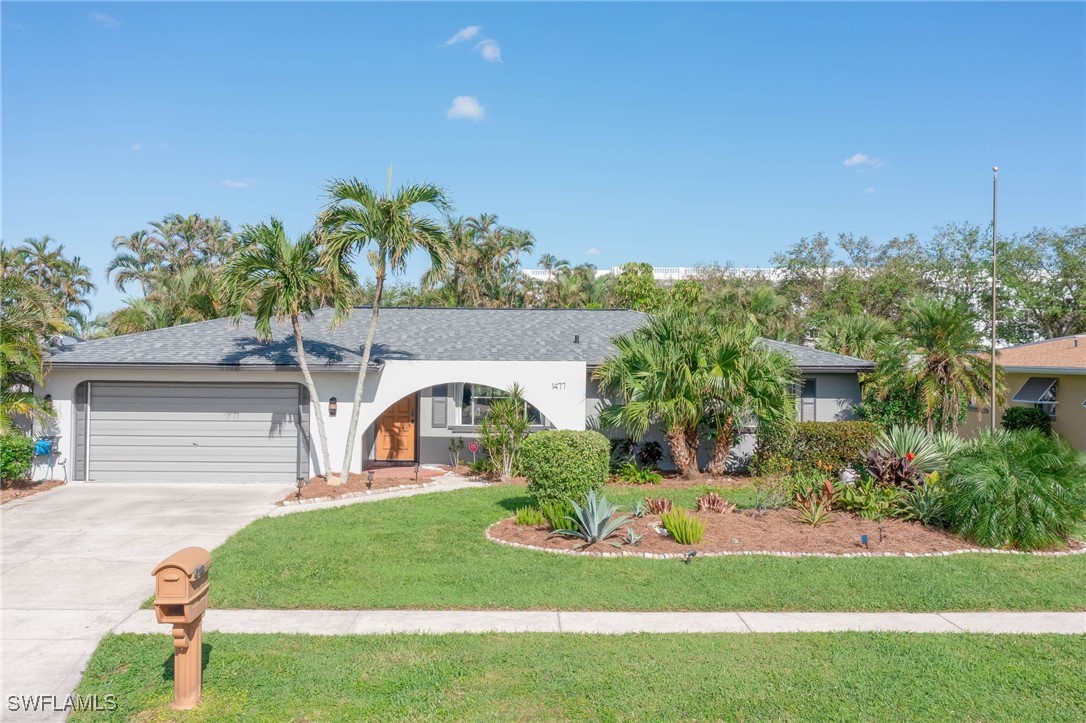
(745, 531)
(25, 488)
(318, 489)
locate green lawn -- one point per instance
(809, 677)
(429, 552)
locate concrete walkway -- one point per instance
(445, 483)
(367, 622)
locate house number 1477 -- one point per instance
(558, 385)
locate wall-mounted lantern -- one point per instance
(369, 479)
(332, 407)
(49, 401)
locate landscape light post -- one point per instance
(995, 186)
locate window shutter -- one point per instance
(808, 395)
(440, 407)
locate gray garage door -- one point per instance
(187, 432)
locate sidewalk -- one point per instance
(368, 622)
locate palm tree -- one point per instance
(858, 335)
(285, 280)
(654, 378)
(392, 225)
(936, 359)
(138, 258)
(747, 383)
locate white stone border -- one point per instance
(770, 553)
(366, 493)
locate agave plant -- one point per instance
(948, 443)
(632, 538)
(594, 521)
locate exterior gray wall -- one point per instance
(836, 396)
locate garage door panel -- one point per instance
(193, 432)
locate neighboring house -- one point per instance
(1050, 375)
(211, 402)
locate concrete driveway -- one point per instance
(77, 560)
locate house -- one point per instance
(211, 402)
(1049, 375)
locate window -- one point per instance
(808, 393)
(1041, 393)
(475, 400)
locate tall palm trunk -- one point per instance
(327, 459)
(722, 447)
(356, 407)
(684, 450)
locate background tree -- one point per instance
(389, 227)
(636, 288)
(281, 280)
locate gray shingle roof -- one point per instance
(402, 333)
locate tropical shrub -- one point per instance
(564, 464)
(809, 446)
(503, 430)
(658, 505)
(649, 454)
(924, 503)
(1016, 489)
(770, 493)
(630, 473)
(713, 502)
(530, 516)
(622, 452)
(555, 513)
(948, 443)
(683, 526)
(913, 444)
(16, 456)
(594, 521)
(892, 471)
(868, 499)
(1018, 418)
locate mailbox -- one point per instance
(181, 585)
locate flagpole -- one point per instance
(995, 185)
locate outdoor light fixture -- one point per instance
(416, 472)
(689, 556)
(49, 401)
(369, 479)
(301, 483)
(863, 540)
(332, 407)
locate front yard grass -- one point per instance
(429, 552)
(809, 677)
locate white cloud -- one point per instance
(490, 50)
(137, 146)
(869, 189)
(106, 21)
(592, 252)
(12, 24)
(863, 160)
(466, 107)
(235, 184)
(465, 34)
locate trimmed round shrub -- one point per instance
(563, 464)
(1016, 489)
(16, 456)
(1018, 418)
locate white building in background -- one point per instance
(670, 273)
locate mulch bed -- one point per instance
(773, 531)
(675, 481)
(26, 488)
(383, 479)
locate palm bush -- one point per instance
(924, 503)
(1022, 489)
(683, 526)
(594, 521)
(948, 443)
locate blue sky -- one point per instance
(675, 134)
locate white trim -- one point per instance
(1074, 371)
(86, 438)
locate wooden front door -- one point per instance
(396, 431)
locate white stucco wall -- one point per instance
(557, 389)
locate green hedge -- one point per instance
(807, 446)
(564, 464)
(16, 456)
(1018, 418)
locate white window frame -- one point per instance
(473, 419)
